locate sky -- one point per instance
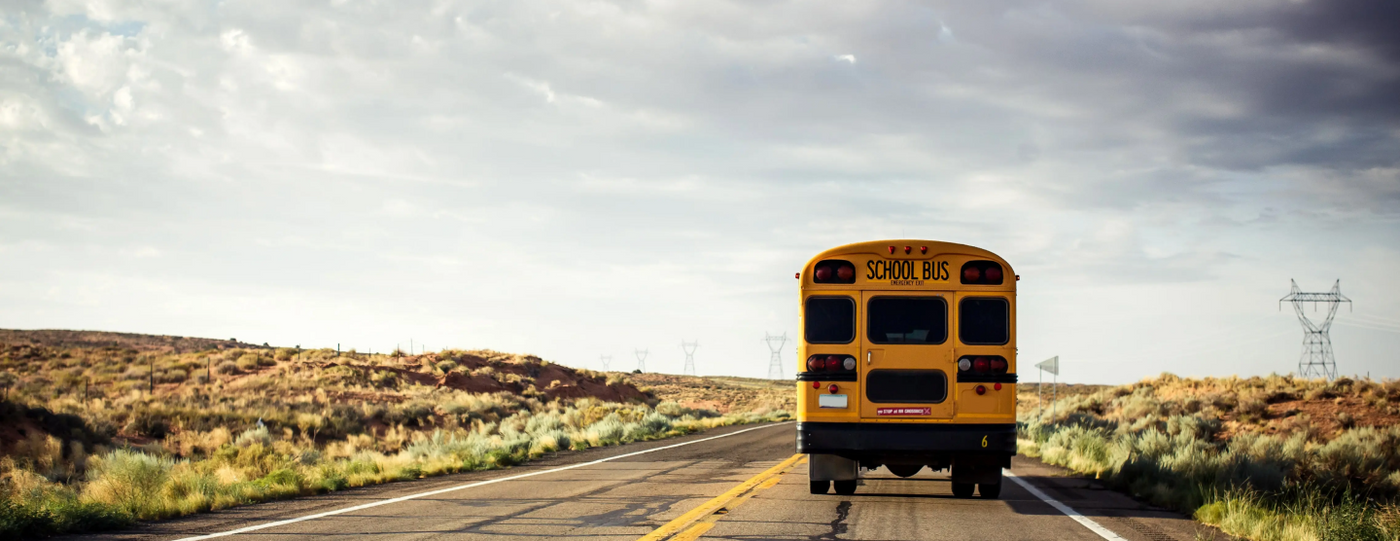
(575, 179)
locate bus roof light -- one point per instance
(923, 249)
(797, 276)
(908, 249)
(892, 250)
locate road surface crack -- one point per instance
(838, 526)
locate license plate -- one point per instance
(831, 400)
(904, 411)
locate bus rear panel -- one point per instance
(907, 360)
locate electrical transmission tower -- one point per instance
(641, 359)
(606, 360)
(689, 348)
(775, 363)
(1317, 359)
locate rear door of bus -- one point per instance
(907, 363)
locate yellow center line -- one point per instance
(705, 515)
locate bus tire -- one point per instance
(904, 470)
(820, 487)
(963, 490)
(990, 491)
(845, 488)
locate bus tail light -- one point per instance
(987, 273)
(982, 364)
(831, 363)
(834, 271)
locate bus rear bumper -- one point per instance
(910, 443)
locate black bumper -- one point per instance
(856, 440)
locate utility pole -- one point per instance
(775, 361)
(606, 360)
(1317, 359)
(641, 359)
(152, 373)
(689, 348)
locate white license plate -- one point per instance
(831, 400)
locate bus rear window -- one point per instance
(907, 320)
(829, 320)
(984, 321)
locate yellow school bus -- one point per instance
(907, 360)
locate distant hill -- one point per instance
(101, 339)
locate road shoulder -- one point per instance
(1133, 519)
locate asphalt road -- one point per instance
(747, 484)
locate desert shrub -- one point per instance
(226, 367)
(248, 361)
(128, 480)
(148, 424)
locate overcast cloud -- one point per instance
(574, 179)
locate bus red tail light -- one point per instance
(982, 365)
(987, 273)
(834, 271)
(831, 363)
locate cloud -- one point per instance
(576, 177)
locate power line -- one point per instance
(775, 361)
(1317, 359)
(689, 348)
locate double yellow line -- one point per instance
(697, 521)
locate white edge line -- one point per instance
(1067, 510)
(275, 524)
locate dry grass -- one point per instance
(87, 444)
(1276, 458)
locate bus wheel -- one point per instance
(963, 490)
(845, 488)
(820, 487)
(904, 471)
(989, 490)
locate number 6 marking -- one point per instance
(984, 441)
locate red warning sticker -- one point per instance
(904, 411)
